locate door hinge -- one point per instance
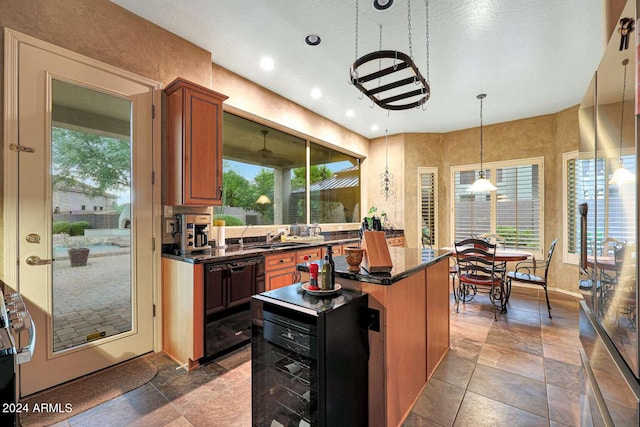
(153, 111)
(153, 243)
(21, 148)
(154, 310)
(153, 177)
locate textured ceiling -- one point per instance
(531, 57)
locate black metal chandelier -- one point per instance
(396, 83)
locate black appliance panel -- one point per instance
(228, 289)
(309, 359)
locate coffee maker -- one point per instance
(194, 232)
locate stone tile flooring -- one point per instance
(92, 299)
(521, 370)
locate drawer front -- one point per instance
(277, 261)
(291, 339)
(311, 254)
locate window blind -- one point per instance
(518, 206)
(428, 208)
(472, 210)
(514, 211)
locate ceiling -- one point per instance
(531, 57)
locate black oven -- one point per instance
(14, 319)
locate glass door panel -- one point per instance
(91, 215)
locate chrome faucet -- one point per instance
(240, 241)
(271, 237)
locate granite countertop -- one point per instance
(406, 261)
(234, 252)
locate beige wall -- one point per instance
(545, 136)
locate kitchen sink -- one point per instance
(277, 245)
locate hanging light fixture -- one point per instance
(386, 178)
(387, 86)
(622, 175)
(263, 199)
(482, 184)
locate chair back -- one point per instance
(549, 255)
(494, 239)
(476, 258)
(619, 256)
(609, 245)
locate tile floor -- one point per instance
(522, 369)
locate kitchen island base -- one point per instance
(411, 337)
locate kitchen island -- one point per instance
(409, 335)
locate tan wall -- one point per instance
(545, 136)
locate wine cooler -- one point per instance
(309, 359)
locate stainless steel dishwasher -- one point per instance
(228, 287)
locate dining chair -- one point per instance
(453, 272)
(609, 245)
(526, 272)
(475, 259)
(612, 279)
(494, 238)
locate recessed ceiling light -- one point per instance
(316, 93)
(266, 63)
(312, 39)
(374, 128)
(382, 4)
(349, 113)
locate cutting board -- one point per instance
(376, 255)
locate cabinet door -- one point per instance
(280, 278)
(241, 285)
(214, 292)
(193, 155)
(202, 149)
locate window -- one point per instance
(334, 188)
(587, 181)
(428, 206)
(273, 177)
(514, 211)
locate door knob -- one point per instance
(36, 260)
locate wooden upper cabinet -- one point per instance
(193, 156)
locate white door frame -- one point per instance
(9, 270)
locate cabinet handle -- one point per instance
(220, 192)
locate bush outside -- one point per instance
(61, 227)
(229, 220)
(77, 228)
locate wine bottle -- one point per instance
(333, 266)
(327, 273)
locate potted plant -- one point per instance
(78, 249)
(78, 256)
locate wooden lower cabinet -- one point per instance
(182, 313)
(438, 326)
(280, 268)
(414, 337)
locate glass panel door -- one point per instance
(91, 215)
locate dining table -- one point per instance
(502, 257)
